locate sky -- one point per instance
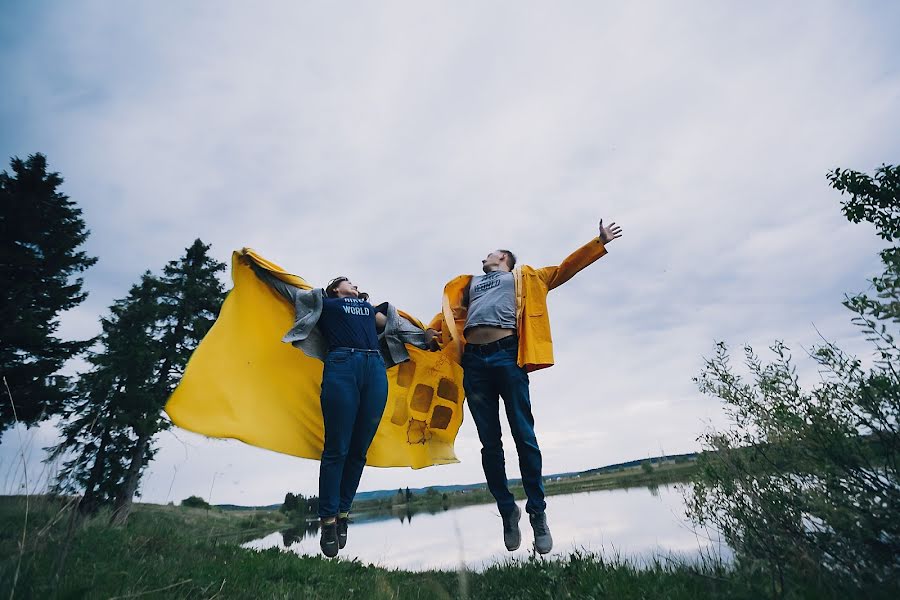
(400, 142)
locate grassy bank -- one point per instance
(173, 552)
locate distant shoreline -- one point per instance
(595, 480)
(674, 468)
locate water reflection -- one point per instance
(299, 532)
(404, 513)
(638, 523)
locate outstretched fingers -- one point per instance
(615, 229)
(609, 232)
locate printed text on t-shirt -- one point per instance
(489, 281)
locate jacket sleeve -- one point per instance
(556, 276)
(400, 329)
(285, 289)
(410, 333)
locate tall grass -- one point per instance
(176, 552)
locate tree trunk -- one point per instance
(89, 503)
(126, 495)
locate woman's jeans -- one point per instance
(354, 393)
(490, 371)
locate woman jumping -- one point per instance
(339, 326)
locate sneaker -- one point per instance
(329, 539)
(543, 541)
(512, 537)
(342, 523)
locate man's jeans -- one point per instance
(354, 393)
(489, 373)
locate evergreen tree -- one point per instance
(95, 432)
(189, 296)
(117, 406)
(290, 503)
(312, 505)
(40, 232)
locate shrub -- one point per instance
(805, 484)
(195, 502)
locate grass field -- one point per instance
(174, 552)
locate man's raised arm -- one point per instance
(581, 258)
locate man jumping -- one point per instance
(506, 335)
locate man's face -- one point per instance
(492, 262)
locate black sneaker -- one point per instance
(342, 523)
(543, 541)
(328, 540)
(512, 537)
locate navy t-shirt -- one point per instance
(348, 323)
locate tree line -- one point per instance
(300, 507)
(111, 412)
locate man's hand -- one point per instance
(609, 233)
(432, 339)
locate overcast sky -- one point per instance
(400, 142)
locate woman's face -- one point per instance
(346, 289)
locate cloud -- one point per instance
(399, 143)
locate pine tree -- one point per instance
(290, 503)
(117, 406)
(189, 297)
(40, 232)
(95, 433)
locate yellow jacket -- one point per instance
(532, 318)
(243, 382)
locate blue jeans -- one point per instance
(490, 372)
(354, 393)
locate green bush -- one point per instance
(804, 485)
(195, 502)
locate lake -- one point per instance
(634, 523)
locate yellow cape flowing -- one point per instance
(243, 382)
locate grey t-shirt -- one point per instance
(492, 300)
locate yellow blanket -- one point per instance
(243, 382)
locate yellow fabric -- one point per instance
(243, 382)
(532, 318)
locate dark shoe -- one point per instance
(543, 541)
(512, 536)
(342, 523)
(328, 540)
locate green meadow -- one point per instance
(177, 552)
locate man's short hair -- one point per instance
(510, 258)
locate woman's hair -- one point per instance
(331, 288)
